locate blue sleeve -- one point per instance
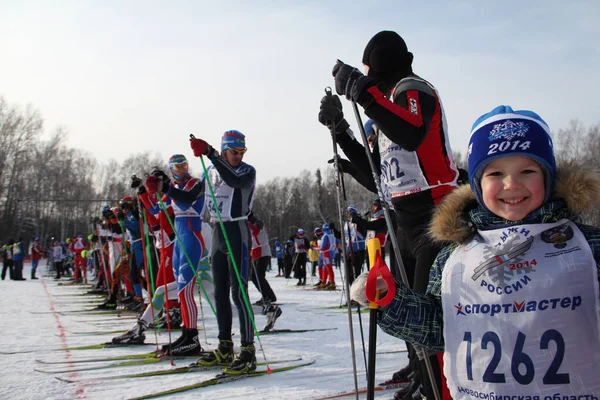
(185, 198)
(133, 225)
(243, 176)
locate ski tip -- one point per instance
(64, 379)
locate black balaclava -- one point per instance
(388, 58)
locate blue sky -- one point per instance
(131, 76)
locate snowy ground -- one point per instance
(28, 323)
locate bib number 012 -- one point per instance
(391, 169)
(521, 364)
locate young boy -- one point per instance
(514, 301)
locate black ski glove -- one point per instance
(135, 182)
(331, 111)
(349, 81)
(163, 178)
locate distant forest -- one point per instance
(50, 190)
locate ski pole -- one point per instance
(144, 232)
(341, 220)
(194, 268)
(232, 258)
(394, 240)
(149, 205)
(189, 260)
(373, 246)
(353, 258)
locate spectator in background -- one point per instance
(279, 255)
(7, 258)
(313, 251)
(36, 255)
(58, 255)
(18, 257)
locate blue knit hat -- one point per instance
(233, 140)
(505, 132)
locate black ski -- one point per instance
(171, 371)
(219, 379)
(281, 331)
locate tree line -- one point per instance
(48, 189)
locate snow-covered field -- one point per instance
(31, 319)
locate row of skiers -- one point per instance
(156, 240)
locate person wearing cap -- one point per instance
(233, 182)
(288, 258)
(76, 246)
(514, 299)
(130, 221)
(313, 251)
(36, 255)
(279, 255)
(411, 152)
(7, 260)
(186, 195)
(18, 257)
(58, 256)
(328, 250)
(261, 255)
(301, 246)
(355, 244)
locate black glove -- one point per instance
(349, 81)
(164, 178)
(120, 216)
(331, 112)
(135, 182)
(345, 166)
(141, 189)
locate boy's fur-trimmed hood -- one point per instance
(577, 185)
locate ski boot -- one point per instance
(406, 390)
(107, 305)
(136, 305)
(96, 291)
(189, 346)
(272, 313)
(166, 348)
(175, 317)
(134, 336)
(245, 362)
(222, 355)
(128, 298)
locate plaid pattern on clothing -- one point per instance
(417, 318)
